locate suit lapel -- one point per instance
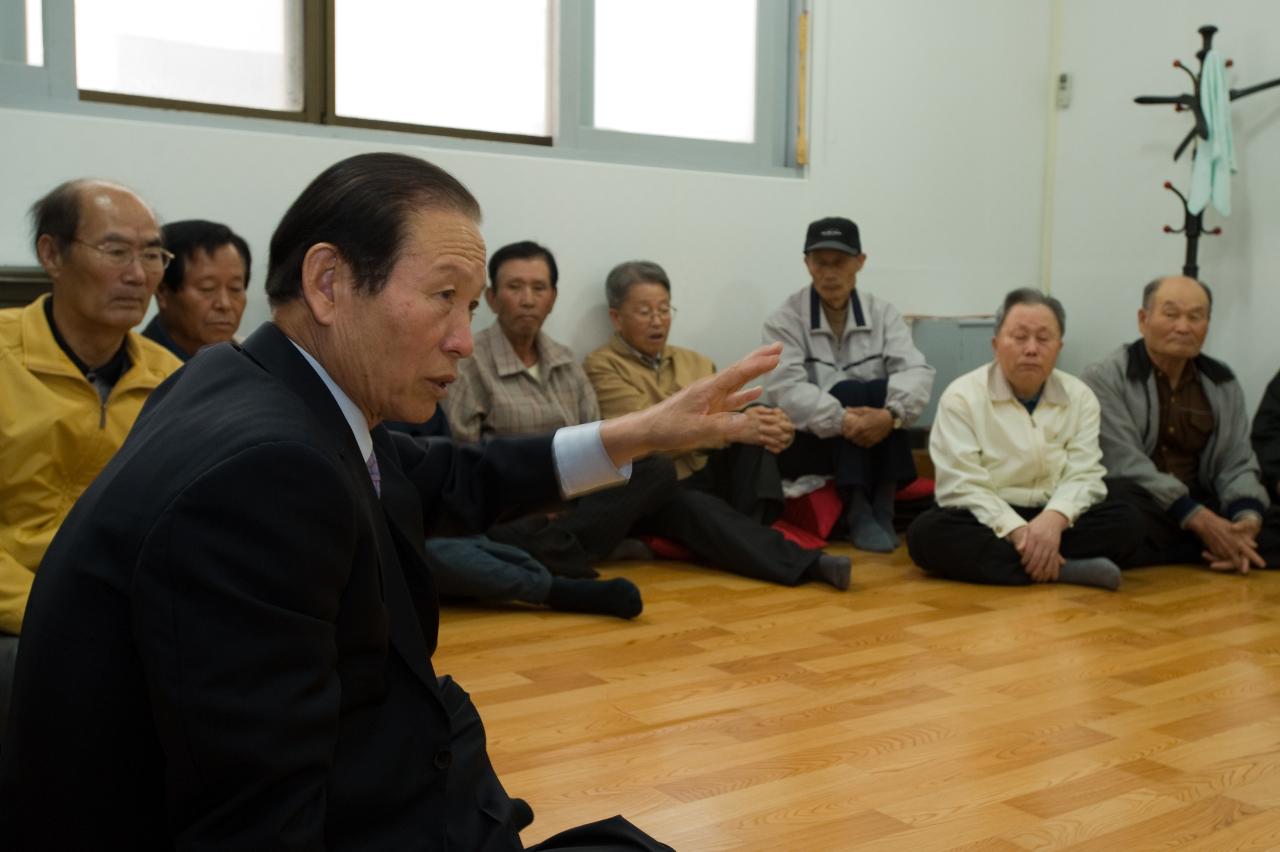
(404, 520)
(272, 349)
(406, 630)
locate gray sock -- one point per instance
(866, 534)
(865, 531)
(871, 521)
(1096, 571)
(857, 503)
(832, 570)
(882, 508)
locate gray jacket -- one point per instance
(1125, 385)
(876, 344)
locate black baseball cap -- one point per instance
(833, 232)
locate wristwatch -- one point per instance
(897, 418)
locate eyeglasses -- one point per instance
(120, 255)
(647, 313)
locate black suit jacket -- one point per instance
(229, 641)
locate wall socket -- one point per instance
(1063, 96)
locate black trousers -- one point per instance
(744, 476)
(726, 539)
(588, 529)
(1164, 542)
(602, 519)
(654, 502)
(691, 513)
(853, 466)
(954, 545)
(481, 814)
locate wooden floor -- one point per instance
(905, 714)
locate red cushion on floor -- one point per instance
(816, 512)
(665, 548)
(919, 489)
(796, 535)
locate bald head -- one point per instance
(1174, 319)
(60, 213)
(1153, 287)
(100, 245)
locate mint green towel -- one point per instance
(1215, 158)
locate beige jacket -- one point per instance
(991, 455)
(624, 384)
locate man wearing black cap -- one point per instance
(850, 379)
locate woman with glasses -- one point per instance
(723, 495)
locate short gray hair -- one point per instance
(626, 275)
(1149, 291)
(1031, 296)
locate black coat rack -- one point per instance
(1193, 224)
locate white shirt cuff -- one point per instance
(581, 461)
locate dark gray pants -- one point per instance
(1166, 543)
(853, 466)
(472, 567)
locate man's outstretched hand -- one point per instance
(705, 414)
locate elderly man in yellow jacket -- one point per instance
(74, 376)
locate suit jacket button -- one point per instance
(443, 759)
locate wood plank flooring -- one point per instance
(905, 714)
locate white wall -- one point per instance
(931, 134)
(1113, 157)
(928, 129)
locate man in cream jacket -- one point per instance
(1019, 471)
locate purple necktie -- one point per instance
(375, 474)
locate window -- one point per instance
(706, 84)
(481, 77)
(676, 68)
(22, 32)
(241, 53)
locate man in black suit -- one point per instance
(229, 642)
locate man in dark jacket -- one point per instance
(1266, 437)
(229, 643)
(1175, 439)
(202, 296)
